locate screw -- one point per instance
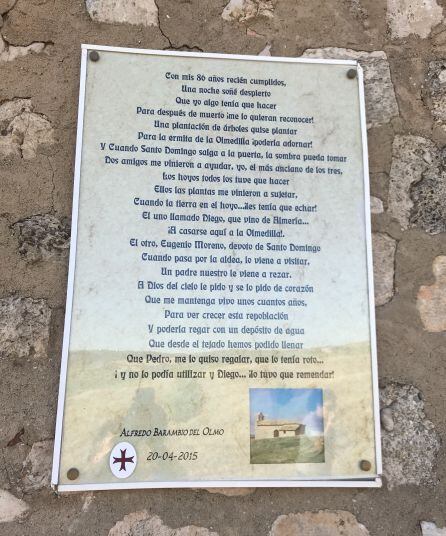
(365, 465)
(351, 73)
(72, 473)
(94, 55)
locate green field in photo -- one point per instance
(299, 449)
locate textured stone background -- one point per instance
(402, 46)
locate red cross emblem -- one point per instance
(123, 460)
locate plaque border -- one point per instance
(368, 481)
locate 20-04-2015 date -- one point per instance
(185, 456)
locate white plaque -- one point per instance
(220, 320)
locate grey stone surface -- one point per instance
(430, 529)
(137, 12)
(231, 492)
(42, 236)
(22, 131)
(380, 99)
(376, 205)
(384, 247)
(417, 184)
(6, 5)
(322, 523)
(10, 52)
(266, 51)
(11, 508)
(429, 207)
(143, 524)
(417, 17)
(387, 419)
(24, 327)
(431, 299)
(244, 10)
(88, 501)
(410, 448)
(436, 87)
(37, 466)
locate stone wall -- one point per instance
(402, 47)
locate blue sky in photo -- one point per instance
(301, 405)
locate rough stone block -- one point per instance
(412, 156)
(387, 421)
(10, 52)
(266, 51)
(417, 17)
(231, 492)
(431, 299)
(381, 104)
(431, 529)
(37, 466)
(324, 522)
(429, 206)
(42, 236)
(436, 82)
(6, 5)
(22, 131)
(24, 327)
(411, 446)
(376, 205)
(142, 524)
(11, 508)
(436, 89)
(417, 184)
(384, 247)
(137, 12)
(244, 10)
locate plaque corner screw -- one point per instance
(365, 465)
(351, 73)
(73, 473)
(94, 55)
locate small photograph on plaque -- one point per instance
(219, 325)
(287, 426)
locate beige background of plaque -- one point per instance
(105, 320)
(97, 411)
(107, 269)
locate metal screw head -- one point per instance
(94, 55)
(365, 465)
(351, 73)
(72, 473)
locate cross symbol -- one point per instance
(122, 460)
